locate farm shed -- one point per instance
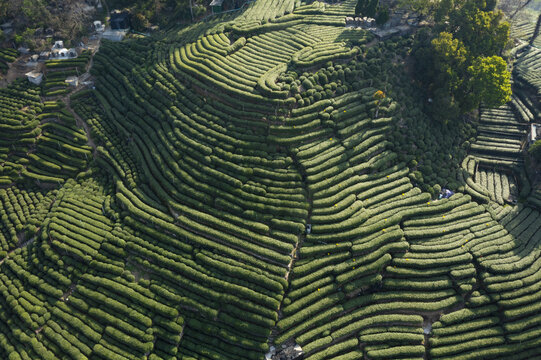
(114, 35)
(535, 133)
(35, 77)
(72, 81)
(216, 6)
(58, 45)
(98, 26)
(44, 55)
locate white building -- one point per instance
(63, 53)
(535, 129)
(35, 77)
(98, 26)
(72, 81)
(58, 45)
(114, 35)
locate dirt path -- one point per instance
(16, 70)
(80, 122)
(67, 100)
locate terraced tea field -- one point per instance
(244, 193)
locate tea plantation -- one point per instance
(240, 186)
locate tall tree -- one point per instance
(460, 66)
(421, 7)
(484, 32)
(489, 81)
(450, 59)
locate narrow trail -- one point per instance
(80, 122)
(536, 31)
(67, 100)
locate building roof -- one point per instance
(114, 35)
(534, 130)
(34, 74)
(216, 2)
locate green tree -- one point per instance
(367, 7)
(421, 7)
(360, 6)
(535, 150)
(449, 11)
(444, 106)
(372, 8)
(459, 66)
(450, 59)
(28, 38)
(442, 10)
(34, 11)
(383, 16)
(490, 81)
(18, 39)
(139, 22)
(484, 32)
(378, 96)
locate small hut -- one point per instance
(98, 26)
(35, 77)
(216, 6)
(72, 81)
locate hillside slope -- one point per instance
(218, 145)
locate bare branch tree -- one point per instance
(513, 7)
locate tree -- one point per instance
(372, 8)
(421, 7)
(140, 22)
(444, 106)
(450, 57)
(483, 32)
(383, 16)
(535, 150)
(35, 11)
(378, 95)
(490, 81)
(359, 7)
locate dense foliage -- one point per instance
(460, 64)
(160, 12)
(535, 150)
(32, 17)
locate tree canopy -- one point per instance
(459, 61)
(489, 80)
(483, 31)
(367, 7)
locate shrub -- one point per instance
(535, 150)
